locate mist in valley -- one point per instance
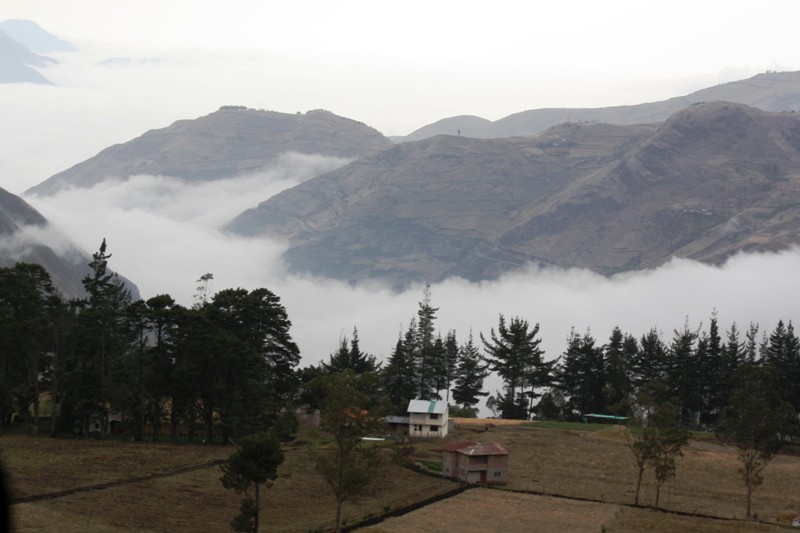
(165, 233)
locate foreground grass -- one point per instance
(594, 466)
(190, 501)
(482, 510)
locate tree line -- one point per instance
(221, 368)
(228, 366)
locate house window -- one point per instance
(434, 416)
(417, 427)
(435, 429)
(497, 473)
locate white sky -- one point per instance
(395, 66)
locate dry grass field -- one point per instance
(558, 464)
(188, 501)
(484, 510)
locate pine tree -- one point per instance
(429, 354)
(618, 387)
(350, 357)
(103, 339)
(450, 356)
(470, 373)
(582, 375)
(513, 352)
(400, 377)
(683, 378)
(650, 362)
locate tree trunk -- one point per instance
(749, 498)
(156, 420)
(258, 508)
(638, 486)
(338, 528)
(173, 422)
(35, 425)
(658, 493)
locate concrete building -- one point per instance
(475, 462)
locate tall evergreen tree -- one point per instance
(650, 363)
(350, 357)
(782, 351)
(619, 352)
(751, 345)
(29, 309)
(470, 373)
(430, 355)
(683, 378)
(448, 351)
(103, 338)
(259, 354)
(400, 376)
(582, 375)
(513, 352)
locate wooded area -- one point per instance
(228, 366)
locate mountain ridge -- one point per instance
(770, 91)
(711, 180)
(226, 143)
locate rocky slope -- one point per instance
(711, 180)
(229, 142)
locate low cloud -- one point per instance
(164, 234)
(19, 245)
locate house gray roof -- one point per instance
(393, 419)
(427, 406)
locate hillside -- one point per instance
(229, 142)
(17, 62)
(772, 91)
(34, 37)
(26, 236)
(712, 180)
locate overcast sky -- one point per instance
(395, 66)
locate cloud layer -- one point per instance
(164, 234)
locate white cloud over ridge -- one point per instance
(164, 234)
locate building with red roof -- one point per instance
(475, 462)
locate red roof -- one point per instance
(476, 448)
(455, 446)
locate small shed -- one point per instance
(475, 462)
(397, 425)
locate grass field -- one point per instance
(553, 461)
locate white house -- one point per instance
(427, 418)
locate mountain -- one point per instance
(711, 180)
(17, 62)
(26, 236)
(772, 91)
(229, 142)
(34, 38)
